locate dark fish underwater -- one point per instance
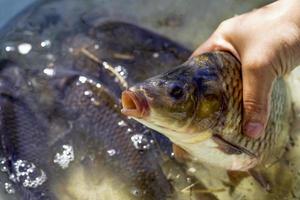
(60, 102)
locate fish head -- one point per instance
(187, 99)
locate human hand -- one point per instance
(267, 43)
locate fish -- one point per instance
(68, 95)
(114, 139)
(22, 138)
(198, 106)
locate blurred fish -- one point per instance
(198, 106)
(23, 138)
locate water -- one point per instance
(64, 158)
(8, 9)
(189, 22)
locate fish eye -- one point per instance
(175, 90)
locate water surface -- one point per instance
(188, 22)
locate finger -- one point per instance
(207, 46)
(217, 42)
(257, 87)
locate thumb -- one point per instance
(257, 87)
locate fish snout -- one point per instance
(134, 104)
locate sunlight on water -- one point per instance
(122, 123)
(9, 48)
(140, 142)
(46, 44)
(24, 48)
(63, 159)
(49, 71)
(9, 188)
(111, 152)
(122, 71)
(28, 174)
(3, 165)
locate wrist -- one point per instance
(292, 10)
(290, 19)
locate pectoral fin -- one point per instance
(180, 154)
(236, 177)
(230, 148)
(260, 179)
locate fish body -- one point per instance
(23, 141)
(198, 106)
(113, 139)
(66, 95)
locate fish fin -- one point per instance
(260, 179)
(236, 177)
(230, 148)
(180, 154)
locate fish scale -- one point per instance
(22, 141)
(209, 94)
(98, 122)
(276, 132)
(71, 32)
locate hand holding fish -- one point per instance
(267, 43)
(199, 104)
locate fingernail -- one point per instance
(254, 129)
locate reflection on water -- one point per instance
(63, 159)
(63, 67)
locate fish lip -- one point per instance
(136, 99)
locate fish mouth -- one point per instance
(134, 104)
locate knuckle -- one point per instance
(252, 106)
(258, 66)
(225, 25)
(227, 30)
(215, 45)
(255, 67)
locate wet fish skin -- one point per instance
(17, 127)
(136, 56)
(97, 117)
(141, 50)
(22, 139)
(198, 105)
(147, 174)
(67, 30)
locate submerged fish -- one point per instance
(23, 141)
(198, 106)
(113, 139)
(64, 115)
